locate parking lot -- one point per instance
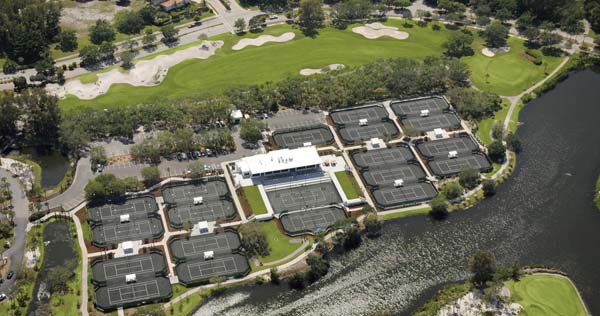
(290, 118)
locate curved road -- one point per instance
(17, 250)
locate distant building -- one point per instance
(236, 116)
(170, 5)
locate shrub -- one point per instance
(452, 190)
(497, 151)
(535, 56)
(468, 178)
(296, 281)
(439, 207)
(489, 187)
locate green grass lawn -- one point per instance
(419, 211)
(278, 242)
(508, 73)
(255, 200)
(348, 184)
(484, 127)
(547, 295)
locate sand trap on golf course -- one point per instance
(263, 39)
(377, 30)
(144, 73)
(491, 52)
(312, 71)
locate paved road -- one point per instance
(74, 195)
(21, 208)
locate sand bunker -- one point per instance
(145, 73)
(491, 52)
(377, 30)
(263, 39)
(312, 71)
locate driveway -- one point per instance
(74, 195)
(228, 17)
(17, 250)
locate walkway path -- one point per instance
(17, 250)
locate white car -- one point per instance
(2, 297)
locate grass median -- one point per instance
(255, 200)
(348, 184)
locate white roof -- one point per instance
(127, 245)
(124, 218)
(282, 159)
(237, 115)
(203, 224)
(130, 278)
(438, 131)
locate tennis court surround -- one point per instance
(116, 232)
(184, 249)
(351, 116)
(297, 137)
(446, 120)
(380, 158)
(303, 197)
(113, 291)
(139, 207)
(387, 176)
(311, 221)
(435, 105)
(347, 123)
(355, 133)
(199, 271)
(451, 167)
(216, 205)
(440, 148)
(390, 196)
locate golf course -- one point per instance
(505, 74)
(547, 295)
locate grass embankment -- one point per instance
(447, 295)
(255, 200)
(506, 74)
(348, 184)
(280, 244)
(419, 211)
(548, 295)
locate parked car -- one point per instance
(2, 297)
(10, 274)
(265, 116)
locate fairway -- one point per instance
(548, 295)
(506, 74)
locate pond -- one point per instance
(54, 167)
(543, 215)
(58, 250)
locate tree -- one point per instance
(128, 22)
(239, 25)
(149, 38)
(452, 190)
(127, 60)
(489, 187)
(402, 4)
(90, 55)
(296, 281)
(9, 67)
(311, 16)
(525, 21)
(58, 277)
(255, 24)
(98, 156)
(439, 207)
(254, 240)
(72, 136)
(275, 277)
(495, 35)
(151, 175)
(498, 130)
(95, 190)
(106, 51)
(250, 130)
(318, 267)
(196, 169)
(550, 39)
(345, 12)
(474, 104)
(67, 40)
(372, 225)
(20, 83)
(169, 33)
(497, 151)
(459, 44)
(513, 142)
(468, 178)
(351, 237)
(101, 32)
(483, 267)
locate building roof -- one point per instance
(282, 159)
(172, 3)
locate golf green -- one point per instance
(548, 295)
(275, 61)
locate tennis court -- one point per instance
(356, 133)
(441, 148)
(295, 138)
(196, 246)
(200, 270)
(352, 116)
(311, 221)
(450, 167)
(447, 120)
(136, 208)
(414, 107)
(132, 294)
(209, 211)
(390, 196)
(303, 197)
(114, 233)
(387, 176)
(116, 269)
(382, 157)
(184, 192)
